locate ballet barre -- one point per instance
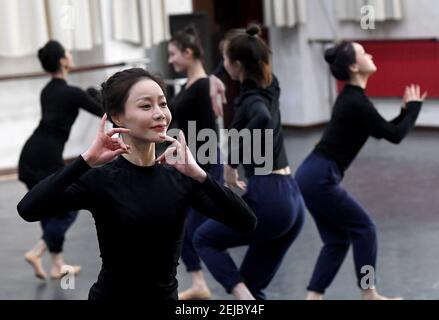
(143, 62)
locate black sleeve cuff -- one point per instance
(208, 184)
(413, 107)
(79, 164)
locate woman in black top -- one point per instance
(192, 106)
(60, 105)
(139, 202)
(341, 221)
(272, 192)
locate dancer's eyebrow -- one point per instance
(149, 98)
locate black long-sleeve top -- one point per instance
(60, 104)
(139, 214)
(354, 118)
(258, 108)
(194, 104)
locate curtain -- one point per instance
(154, 22)
(75, 23)
(126, 21)
(142, 22)
(26, 25)
(23, 27)
(284, 13)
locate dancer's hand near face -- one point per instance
(217, 90)
(412, 93)
(105, 148)
(231, 177)
(180, 157)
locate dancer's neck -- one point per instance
(359, 81)
(195, 72)
(141, 153)
(61, 74)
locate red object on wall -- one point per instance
(400, 63)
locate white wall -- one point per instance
(307, 88)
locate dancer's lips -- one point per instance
(159, 128)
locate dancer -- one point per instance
(340, 219)
(275, 197)
(42, 153)
(192, 104)
(139, 202)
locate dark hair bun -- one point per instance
(330, 55)
(188, 38)
(50, 54)
(42, 54)
(340, 58)
(253, 30)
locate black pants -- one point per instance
(278, 205)
(340, 219)
(194, 221)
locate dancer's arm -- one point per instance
(259, 116)
(217, 89)
(65, 190)
(401, 116)
(209, 197)
(87, 102)
(394, 131)
(223, 205)
(58, 193)
(403, 111)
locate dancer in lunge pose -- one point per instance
(340, 219)
(42, 153)
(274, 197)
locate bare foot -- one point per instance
(58, 273)
(372, 294)
(35, 261)
(314, 296)
(195, 294)
(380, 297)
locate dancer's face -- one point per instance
(180, 60)
(364, 61)
(233, 68)
(67, 62)
(146, 112)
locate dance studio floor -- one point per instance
(399, 185)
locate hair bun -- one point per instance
(253, 30)
(42, 53)
(330, 55)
